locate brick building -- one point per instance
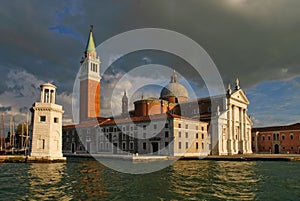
(276, 139)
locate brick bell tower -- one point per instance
(90, 81)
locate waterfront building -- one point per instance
(172, 124)
(276, 139)
(46, 122)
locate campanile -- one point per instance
(90, 81)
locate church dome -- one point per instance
(174, 89)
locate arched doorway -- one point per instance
(276, 149)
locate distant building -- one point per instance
(276, 139)
(46, 136)
(169, 125)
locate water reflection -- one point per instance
(86, 180)
(45, 182)
(217, 180)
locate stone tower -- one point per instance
(89, 82)
(46, 136)
(125, 104)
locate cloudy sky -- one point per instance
(257, 41)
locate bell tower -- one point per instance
(90, 81)
(125, 104)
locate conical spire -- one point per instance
(90, 46)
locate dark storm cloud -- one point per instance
(253, 40)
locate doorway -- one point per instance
(276, 149)
(115, 146)
(73, 147)
(154, 148)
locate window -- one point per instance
(202, 145)
(202, 136)
(269, 137)
(43, 144)
(197, 146)
(197, 136)
(292, 136)
(292, 148)
(123, 136)
(166, 133)
(166, 144)
(263, 138)
(144, 127)
(179, 134)
(144, 135)
(283, 137)
(179, 125)
(186, 135)
(283, 147)
(43, 118)
(55, 120)
(186, 145)
(144, 145)
(186, 126)
(131, 145)
(202, 128)
(166, 125)
(123, 145)
(155, 126)
(179, 145)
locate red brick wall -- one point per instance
(89, 99)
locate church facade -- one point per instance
(171, 125)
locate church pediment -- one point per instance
(240, 96)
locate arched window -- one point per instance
(292, 136)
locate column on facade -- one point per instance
(233, 129)
(242, 130)
(229, 130)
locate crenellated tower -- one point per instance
(90, 81)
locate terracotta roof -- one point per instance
(277, 128)
(112, 121)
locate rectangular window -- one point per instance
(55, 120)
(202, 136)
(144, 127)
(179, 145)
(123, 145)
(197, 136)
(131, 145)
(144, 145)
(179, 125)
(43, 118)
(166, 144)
(197, 146)
(166, 133)
(186, 126)
(186, 145)
(269, 137)
(166, 125)
(43, 144)
(179, 134)
(202, 128)
(186, 135)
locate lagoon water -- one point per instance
(87, 179)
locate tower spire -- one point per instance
(90, 46)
